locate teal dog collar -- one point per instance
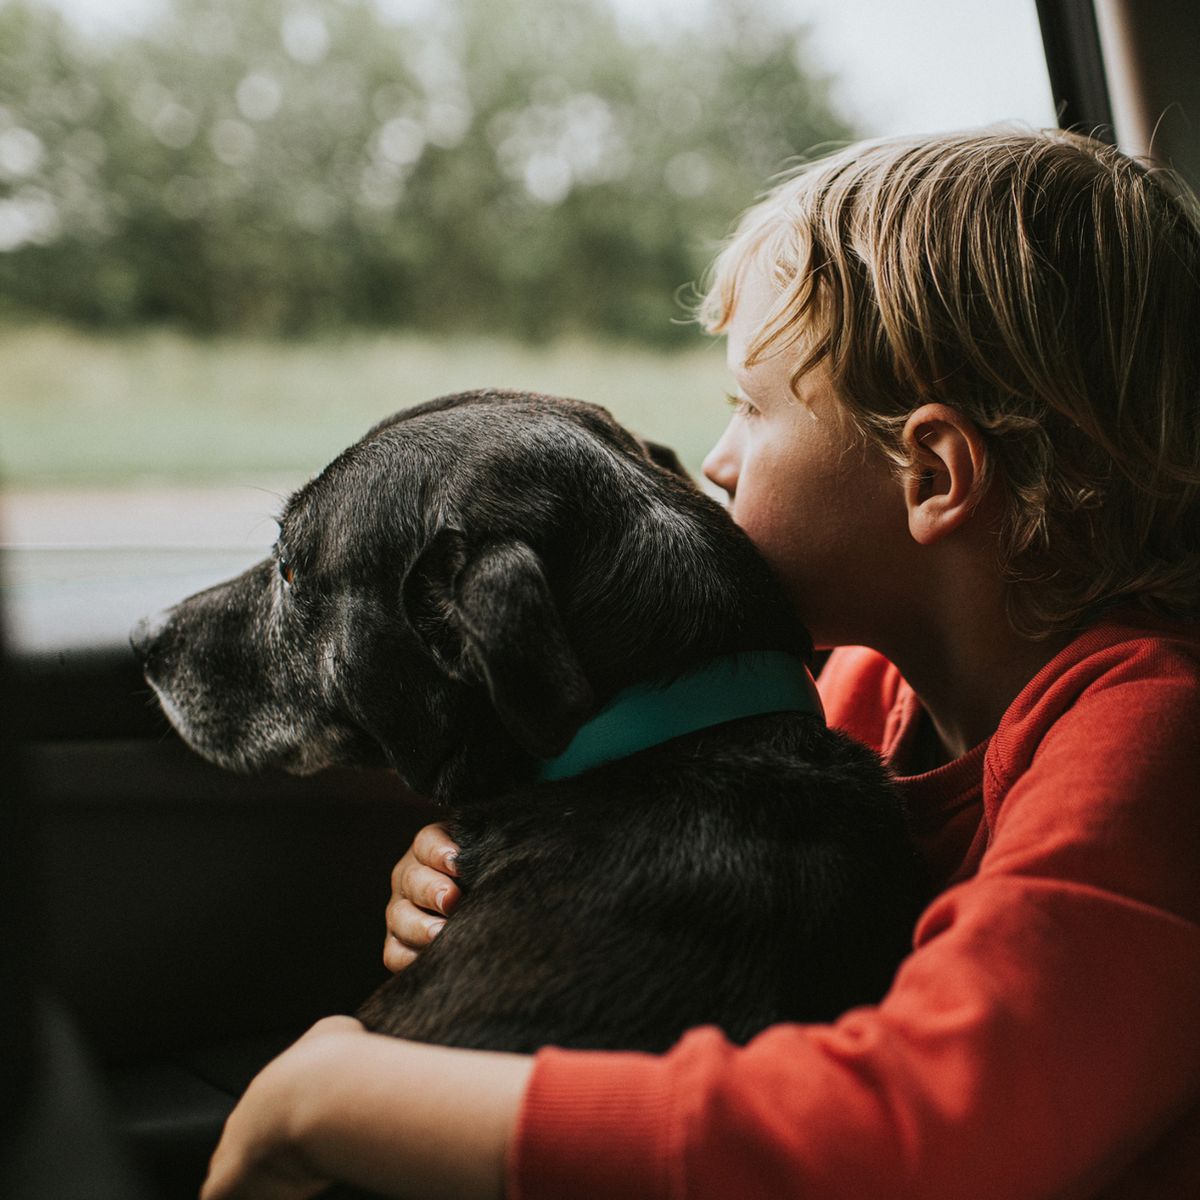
(725, 689)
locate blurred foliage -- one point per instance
(276, 166)
(99, 408)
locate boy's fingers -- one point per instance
(412, 925)
(433, 847)
(409, 931)
(423, 894)
(427, 889)
(396, 955)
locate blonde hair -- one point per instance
(1045, 285)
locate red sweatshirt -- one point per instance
(1043, 1038)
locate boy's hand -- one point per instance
(258, 1156)
(380, 1114)
(423, 895)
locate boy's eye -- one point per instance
(741, 406)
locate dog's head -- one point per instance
(456, 593)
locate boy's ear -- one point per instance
(948, 471)
(486, 614)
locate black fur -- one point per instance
(472, 581)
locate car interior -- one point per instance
(166, 927)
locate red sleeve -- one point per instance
(858, 688)
(1042, 1036)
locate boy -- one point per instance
(966, 437)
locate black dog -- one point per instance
(457, 595)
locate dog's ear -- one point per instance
(488, 615)
(665, 457)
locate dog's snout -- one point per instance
(146, 632)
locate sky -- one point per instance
(903, 66)
(928, 65)
(916, 66)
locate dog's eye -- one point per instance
(286, 571)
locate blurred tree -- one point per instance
(521, 166)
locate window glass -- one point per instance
(236, 233)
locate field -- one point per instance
(157, 407)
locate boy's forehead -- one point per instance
(754, 300)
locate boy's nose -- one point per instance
(720, 467)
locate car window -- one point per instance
(236, 233)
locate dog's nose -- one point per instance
(146, 632)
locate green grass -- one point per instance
(83, 409)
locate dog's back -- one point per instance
(753, 873)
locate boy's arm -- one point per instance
(394, 1117)
(1040, 1038)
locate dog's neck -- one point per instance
(725, 689)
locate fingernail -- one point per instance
(451, 861)
(434, 928)
(439, 901)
